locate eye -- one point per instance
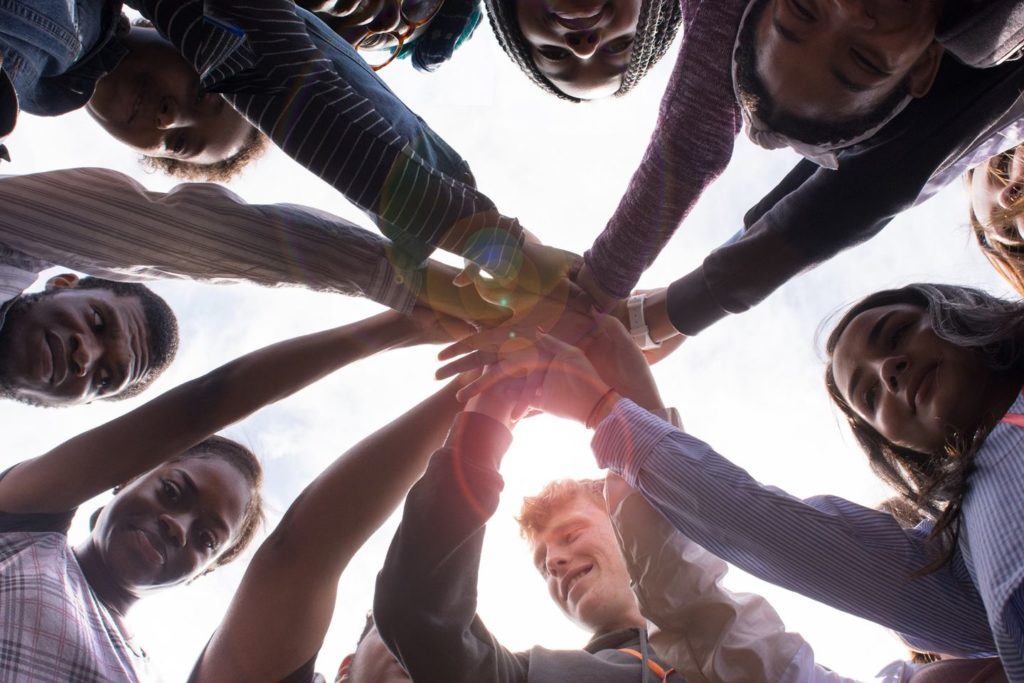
(619, 45)
(898, 334)
(96, 320)
(378, 41)
(171, 490)
(177, 145)
(866, 63)
(101, 380)
(871, 397)
(554, 53)
(801, 10)
(208, 540)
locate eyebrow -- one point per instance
(215, 519)
(873, 334)
(115, 329)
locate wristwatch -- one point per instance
(637, 324)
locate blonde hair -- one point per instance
(1007, 259)
(537, 510)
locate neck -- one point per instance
(1005, 388)
(628, 621)
(114, 596)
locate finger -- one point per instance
(529, 395)
(477, 359)
(494, 376)
(554, 346)
(491, 339)
(467, 275)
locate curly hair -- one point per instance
(537, 510)
(656, 26)
(255, 146)
(934, 484)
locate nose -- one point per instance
(893, 369)
(583, 44)
(85, 351)
(171, 114)
(173, 528)
(556, 562)
(853, 14)
(1010, 195)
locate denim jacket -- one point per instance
(54, 51)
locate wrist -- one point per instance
(659, 325)
(602, 408)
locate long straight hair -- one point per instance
(935, 483)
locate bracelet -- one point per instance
(638, 329)
(597, 408)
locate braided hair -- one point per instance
(655, 28)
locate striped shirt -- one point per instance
(103, 223)
(851, 557)
(260, 57)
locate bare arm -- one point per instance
(136, 442)
(280, 613)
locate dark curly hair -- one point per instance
(655, 28)
(255, 146)
(934, 484)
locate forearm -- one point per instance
(425, 601)
(173, 422)
(853, 558)
(106, 224)
(295, 96)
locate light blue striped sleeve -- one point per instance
(853, 558)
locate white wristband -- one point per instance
(638, 329)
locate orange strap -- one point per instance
(651, 664)
(1014, 419)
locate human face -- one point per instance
(582, 46)
(995, 189)
(171, 524)
(578, 556)
(911, 386)
(373, 663)
(73, 346)
(151, 103)
(832, 60)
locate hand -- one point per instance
(544, 270)
(586, 280)
(621, 364)
(558, 379)
(499, 400)
(425, 326)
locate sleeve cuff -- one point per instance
(692, 305)
(625, 438)
(398, 290)
(481, 434)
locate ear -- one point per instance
(62, 281)
(93, 517)
(925, 69)
(343, 668)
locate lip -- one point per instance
(570, 580)
(580, 20)
(921, 387)
(150, 548)
(58, 358)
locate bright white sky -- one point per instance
(751, 385)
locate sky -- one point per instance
(751, 385)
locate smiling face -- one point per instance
(151, 103)
(827, 60)
(582, 46)
(577, 554)
(171, 524)
(911, 386)
(71, 346)
(369, 23)
(996, 189)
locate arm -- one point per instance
(425, 600)
(103, 223)
(136, 442)
(283, 607)
(850, 557)
(833, 210)
(263, 61)
(707, 632)
(691, 146)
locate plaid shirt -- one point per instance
(52, 627)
